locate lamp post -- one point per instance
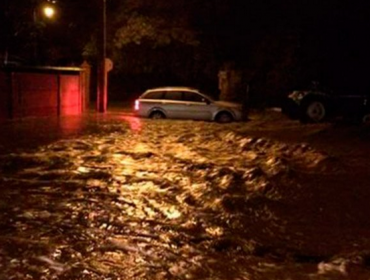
(102, 94)
(45, 10)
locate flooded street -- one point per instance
(126, 198)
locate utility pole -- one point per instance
(35, 35)
(102, 94)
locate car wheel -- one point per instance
(314, 111)
(224, 117)
(156, 115)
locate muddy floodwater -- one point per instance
(120, 197)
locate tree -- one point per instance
(156, 40)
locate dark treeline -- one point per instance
(277, 45)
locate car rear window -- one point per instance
(154, 95)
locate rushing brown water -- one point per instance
(126, 198)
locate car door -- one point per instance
(197, 106)
(174, 106)
(149, 102)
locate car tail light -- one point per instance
(137, 105)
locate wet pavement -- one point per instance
(116, 197)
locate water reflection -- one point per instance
(134, 123)
(72, 125)
(195, 204)
(29, 133)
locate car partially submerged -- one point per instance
(314, 106)
(185, 103)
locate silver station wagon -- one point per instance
(185, 103)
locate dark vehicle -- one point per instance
(314, 106)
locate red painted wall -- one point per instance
(28, 92)
(34, 94)
(71, 99)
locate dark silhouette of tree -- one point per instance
(278, 45)
(158, 42)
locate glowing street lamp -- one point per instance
(49, 11)
(45, 10)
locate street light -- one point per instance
(102, 94)
(45, 10)
(49, 11)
